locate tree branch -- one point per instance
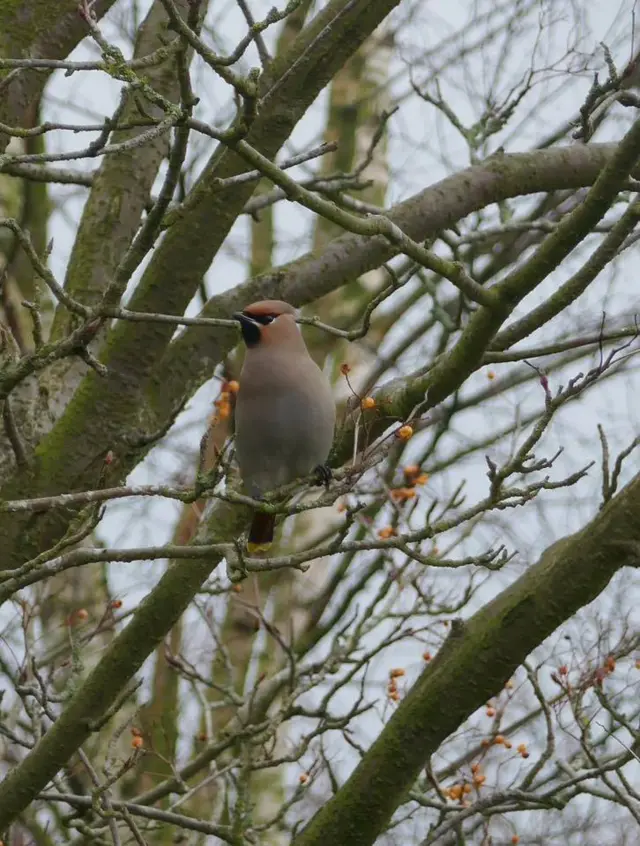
(192, 356)
(123, 658)
(473, 666)
(35, 28)
(103, 410)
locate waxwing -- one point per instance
(285, 413)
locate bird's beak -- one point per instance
(250, 328)
(243, 319)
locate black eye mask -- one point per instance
(263, 319)
(250, 325)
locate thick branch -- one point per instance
(192, 357)
(35, 28)
(450, 372)
(573, 287)
(107, 227)
(473, 666)
(154, 618)
(103, 410)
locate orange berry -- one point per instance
(237, 588)
(524, 754)
(466, 787)
(479, 780)
(387, 532)
(563, 670)
(367, 402)
(411, 471)
(82, 615)
(137, 742)
(402, 494)
(515, 839)
(491, 712)
(224, 411)
(223, 397)
(485, 742)
(499, 740)
(303, 778)
(395, 696)
(508, 744)
(455, 792)
(522, 747)
(422, 479)
(116, 603)
(475, 768)
(509, 685)
(426, 656)
(345, 369)
(491, 375)
(233, 387)
(610, 663)
(404, 433)
(396, 673)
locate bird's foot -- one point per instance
(323, 475)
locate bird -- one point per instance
(285, 412)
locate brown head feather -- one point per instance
(270, 307)
(271, 323)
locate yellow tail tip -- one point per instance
(255, 548)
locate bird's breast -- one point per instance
(284, 428)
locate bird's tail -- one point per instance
(261, 532)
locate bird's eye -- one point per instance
(268, 318)
(263, 319)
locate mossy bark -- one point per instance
(104, 410)
(194, 354)
(240, 625)
(122, 184)
(94, 695)
(48, 29)
(473, 665)
(102, 414)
